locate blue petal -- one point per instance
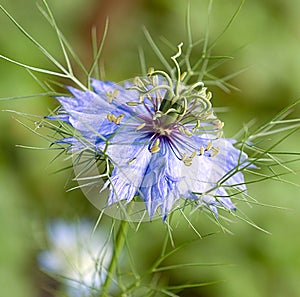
(74, 143)
(126, 178)
(205, 174)
(102, 87)
(159, 186)
(230, 159)
(60, 117)
(125, 143)
(124, 95)
(84, 101)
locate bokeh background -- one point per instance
(265, 39)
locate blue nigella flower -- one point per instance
(162, 139)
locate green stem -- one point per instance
(118, 246)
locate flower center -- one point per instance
(163, 124)
(163, 131)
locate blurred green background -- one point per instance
(265, 37)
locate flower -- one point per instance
(80, 257)
(162, 139)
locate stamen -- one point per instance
(193, 155)
(209, 115)
(188, 160)
(187, 132)
(150, 71)
(119, 118)
(111, 117)
(183, 75)
(131, 161)
(112, 95)
(115, 93)
(198, 124)
(155, 148)
(181, 129)
(209, 146)
(220, 134)
(218, 123)
(154, 80)
(114, 119)
(141, 126)
(139, 83)
(132, 103)
(202, 150)
(208, 95)
(215, 151)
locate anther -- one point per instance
(119, 118)
(184, 157)
(209, 115)
(215, 151)
(141, 126)
(193, 155)
(198, 124)
(202, 150)
(187, 162)
(131, 161)
(209, 146)
(138, 82)
(220, 134)
(218, 123)
(111, 117)
(132, 103)
(154, 80)
(187, 132)
(180, 129)
(208, 95)
(183, 75)
(112, 95)
(150, 71)
(155, 148)
(114, 119)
